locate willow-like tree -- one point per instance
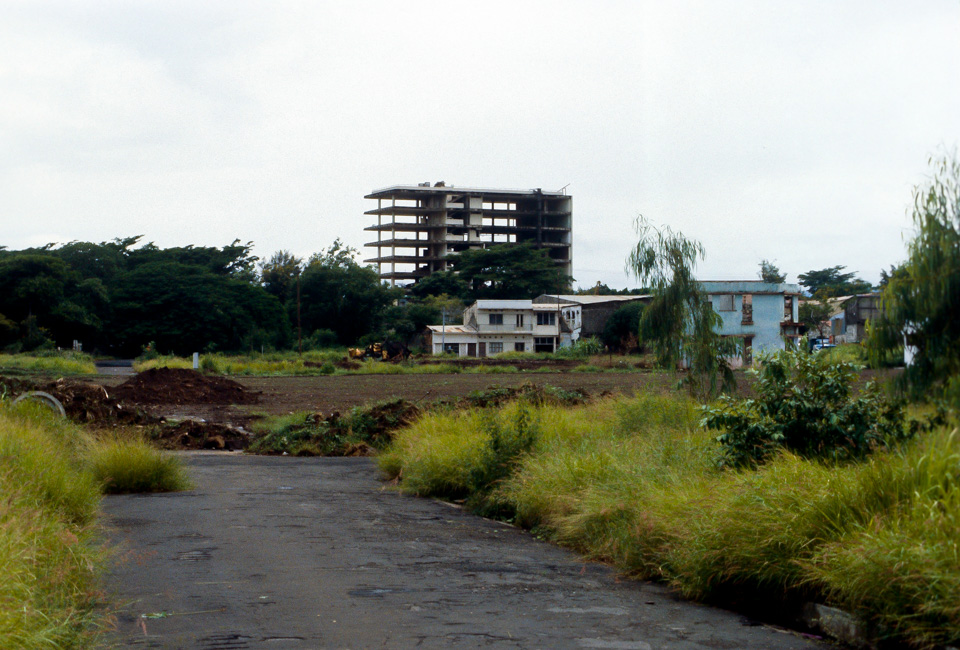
(679, 324)
(921, 302)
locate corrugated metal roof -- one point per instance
(452, 329)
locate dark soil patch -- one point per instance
(193, 434)
(519, 364)
(530, 392)
(99, 406)
(11, 386)
(178, 386)
(83, 402)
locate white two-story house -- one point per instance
(494, 326)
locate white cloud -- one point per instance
(767, 131)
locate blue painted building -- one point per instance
(762, 314)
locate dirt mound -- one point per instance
(192, 434)
(94, 404)
(83, 402)
(379, 421)
(12, 386)
(178, 386)
(534, 393)
(347, 364)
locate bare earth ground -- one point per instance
(339, 393)
(326, 394)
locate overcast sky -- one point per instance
(788, 131)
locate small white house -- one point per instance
(494, 326)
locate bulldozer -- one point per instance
(386, 351)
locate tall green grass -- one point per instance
(128, 464)
(635, 482)
(322, 362)
(50, 546)
(271, 363)
(48, 362)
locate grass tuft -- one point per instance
(125, 465)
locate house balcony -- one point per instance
(506, 328)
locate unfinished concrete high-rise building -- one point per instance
(419, 226)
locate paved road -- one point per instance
(317, 553)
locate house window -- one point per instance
(543, 344)
(496, 319)
(722, 302)
(452, 348)
(546, 318)
(495, 347)
(519, 346)
(519, 320)
(747, 309)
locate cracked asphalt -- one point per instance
(271, 552)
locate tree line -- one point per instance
(121, 296)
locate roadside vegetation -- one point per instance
(52, 475)
(869, 524)
(48, 362)
(366, 430)
(336, 361)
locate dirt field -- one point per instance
(328, 394)
(199, 411)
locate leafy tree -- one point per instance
(43, 288)
(814, 313)
(338, 294)
(233, 260)
(680, 323)
(442, 283)
(8, 331)
(770, 273)
(804, 404)
(896, 271)
(601, 289)
(187, 308)
(622, 328)
(830, 282)
(278, 275)
(509, 271)
(922, 301)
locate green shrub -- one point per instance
(505, 443)
(581, 348)
(130, 465)
(208, 363)
(804, 404)
(587, 368)
(362, 429)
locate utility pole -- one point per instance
(443, 332)
(299, 332)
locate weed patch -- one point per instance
(125, 465)
(359, 432)
(635, 482)
(50, 546)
